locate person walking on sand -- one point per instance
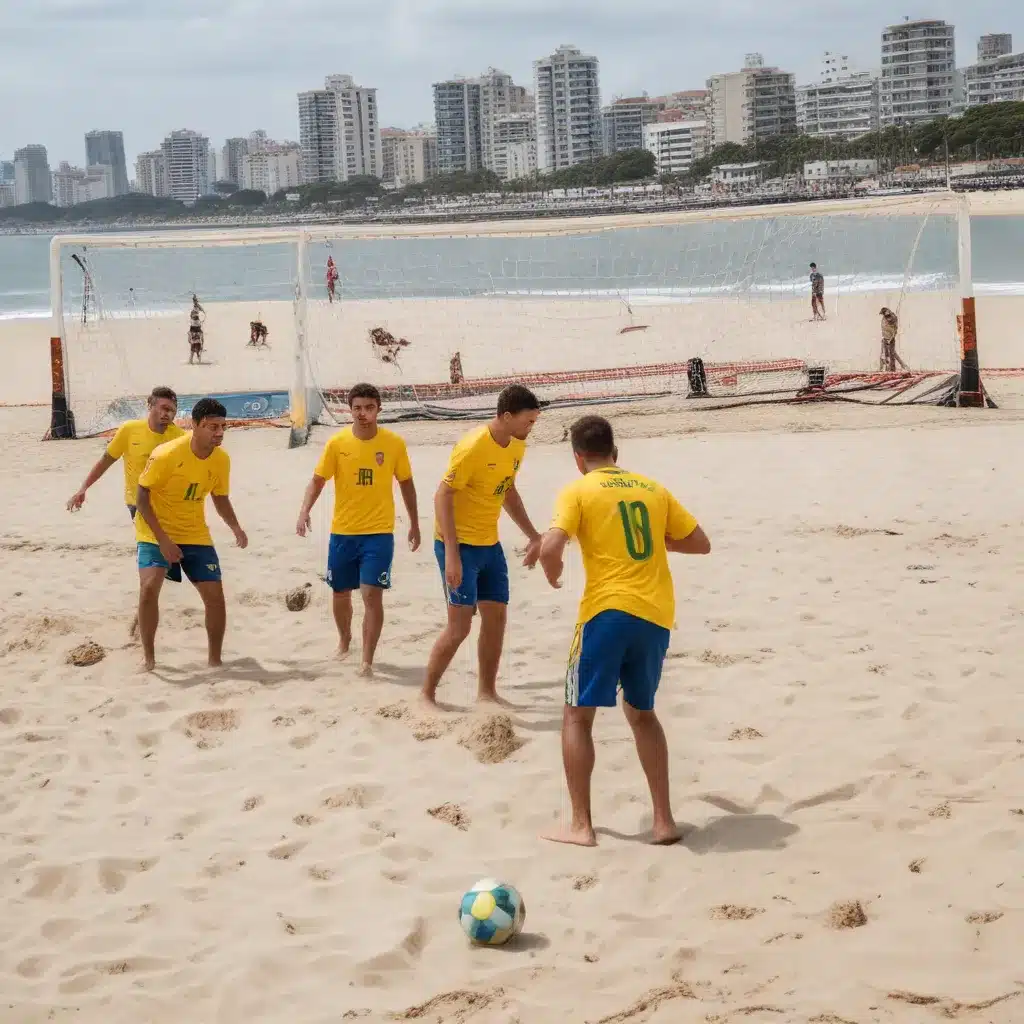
(888, 358)
(626, 525)
(171, 529)
(481, 481)
(364, 460)
(817, 293)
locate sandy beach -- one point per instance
(840, 698)
(282, 840)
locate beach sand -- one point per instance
(842, 702)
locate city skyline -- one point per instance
(119, 72)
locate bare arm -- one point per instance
(168, 548)
(408, 489)
(222, 503)
(517, 513)
(696, 543)
(552, 551)
(444, 509)
(313, 491)
(78, 498)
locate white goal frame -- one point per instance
(303, 400)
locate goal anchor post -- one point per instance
(298, 403)
(970, 393)
(62, 420)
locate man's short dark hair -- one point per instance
(364, 391)
(205, 408)
(517, 398)
(593, 436)
(814, 266)
(162, 392)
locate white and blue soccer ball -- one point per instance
(492, 912)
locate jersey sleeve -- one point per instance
(403, 467)
(222, 482)
(119, 442)
(568, 511)
(157, 471)
(680, 523)
(327, 466)
(461, 464)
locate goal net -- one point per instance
(713, 308)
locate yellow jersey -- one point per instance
(134, 443)
(481, 472)
(178, 482)
(621, 520)
(363, 473)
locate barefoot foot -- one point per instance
(366, 670)
(665, 835)
(493, 699)
(573, 835)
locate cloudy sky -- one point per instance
(225, 68)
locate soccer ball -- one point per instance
(492, 912)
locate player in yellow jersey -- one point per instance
(363, 460)
(626, 525)
(479, 483)
(171, 525)
(134, 442)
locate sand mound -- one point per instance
(747, 733)
(85, 654)
(213, 721)
(298, 598)
(847, 914)
(453, 814)
(492, 739)
(732, 912)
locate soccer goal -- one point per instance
(713, 308)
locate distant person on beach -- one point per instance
(364, 461)
(170, 528)
(817, 293)
(626, 525)
(890, 328)
(332, 277)
(195, 330)
(481, 481)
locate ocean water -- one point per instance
(764, 258)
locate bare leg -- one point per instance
(493, 616)
(460, 622)
(216, 618)
(652, 750)
(373, 623)
(342, 605)
(578, 759)
(150, 583)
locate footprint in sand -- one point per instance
(252, 802)
(55, 883)
(10, 716)
(114, 873)
(285, 851)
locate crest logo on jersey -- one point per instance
(380, 458)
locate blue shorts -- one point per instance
(360, 559)
(484, 574)
(615, 648)
(199, 561)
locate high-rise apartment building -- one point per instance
(74, 185)
(918, 72)
(339, 131)
(187, 165)
(567, 94)
(752, 104)
(408, 157)
(459, 129)
(843, 103)
(106, 149)
(997, 44)
(676, 144)
(6, 172)
(151, 173)
(995, 78)
(688, 105)
(232, 155)
(515, 146)
(499, 96)
(32, 181)
(272, 166)
(623, 121)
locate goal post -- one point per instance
(711, 307)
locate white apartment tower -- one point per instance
(499, 96)
(567, 94)
(232, 154)
(515, 146)
(996, 44)
(843, 103)
(918, 72)
(339, 131)
(151, 173)
(187, 165)
(459, 129)
(751, 104)
(272, 167)
(408, 157)
(997, 77)
(676, 144)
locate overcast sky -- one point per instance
(225, 68)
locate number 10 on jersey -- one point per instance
(636, 525)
